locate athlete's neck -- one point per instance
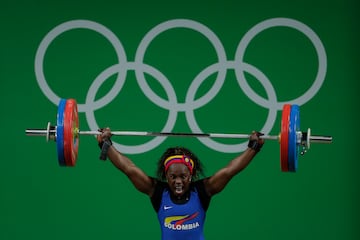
(180, 199)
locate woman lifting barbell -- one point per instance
(179, 195)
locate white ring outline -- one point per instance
(281, 22)
(156, 141)
(233, 148)
(70, 25)
(180, 23)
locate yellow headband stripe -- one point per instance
(179, 159)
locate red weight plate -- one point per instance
(71, 136)
(284, 137)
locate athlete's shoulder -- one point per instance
(199, 186)
(156, 197)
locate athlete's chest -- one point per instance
(190, 209)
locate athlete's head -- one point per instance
(179, 166)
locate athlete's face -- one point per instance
(178, 177)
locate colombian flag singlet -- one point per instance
(181, 221)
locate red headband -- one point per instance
(187, 161)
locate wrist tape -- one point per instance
(104, 146)
(255, 145)
(101, 144)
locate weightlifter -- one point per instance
(180, 194)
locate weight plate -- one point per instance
(294, 126)
(284, 137)
(60, 132)
(71, 136)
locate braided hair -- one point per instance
(197, 170)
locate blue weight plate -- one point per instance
(60, 132)
(297, 124)
(293, 147)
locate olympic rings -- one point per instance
(171, 103)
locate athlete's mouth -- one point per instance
(178, 189)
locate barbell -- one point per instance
(293, 142)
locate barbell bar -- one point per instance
(66, 135)
(51, 133)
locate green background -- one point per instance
(40, 200)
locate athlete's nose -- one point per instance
(178, 180)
